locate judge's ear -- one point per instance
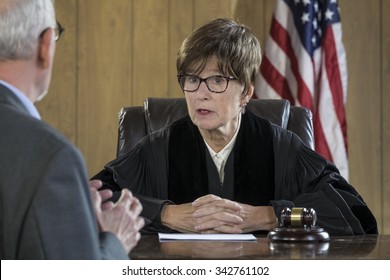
(45, 48)
(248, 93)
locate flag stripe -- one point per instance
(281, 64)
(279, 34)
(263, 86)
(328, 116)
(279, 83)
(305, 62)
(333, 73)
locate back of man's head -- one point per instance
(22, 22)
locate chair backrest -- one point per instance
(136, 122)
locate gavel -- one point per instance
(298, 225)
(298, 218)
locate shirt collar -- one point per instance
(225, 152)
(32, 110)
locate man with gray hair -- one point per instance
(48, 208)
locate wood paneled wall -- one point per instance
(116, 53)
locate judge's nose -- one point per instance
(203, 91)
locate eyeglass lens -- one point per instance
(216, 84)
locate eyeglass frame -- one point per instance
(228, 78)
(58, 30)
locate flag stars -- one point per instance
(314, 40)
(305, 18)
(316, 7)
(313, 17)
(329, 14)
(315, 24)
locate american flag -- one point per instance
(305, 62)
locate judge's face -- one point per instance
(215, 112)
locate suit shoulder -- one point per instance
(26, 132)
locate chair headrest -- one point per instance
(135, 122)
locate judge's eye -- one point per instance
(217, 80)
(192, 79)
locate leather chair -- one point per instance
(138, 121)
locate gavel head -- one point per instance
(298, 217)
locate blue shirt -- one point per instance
(23, 98)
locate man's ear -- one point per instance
(44, 48)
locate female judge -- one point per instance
(222, 169)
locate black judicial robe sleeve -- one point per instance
(305, 179)
(143, 171)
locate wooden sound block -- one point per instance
(313, 234)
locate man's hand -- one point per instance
(121, 218)
(104, 194)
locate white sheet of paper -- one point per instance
(216, 237)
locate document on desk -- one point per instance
(199, 237)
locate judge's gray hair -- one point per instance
(21, 24)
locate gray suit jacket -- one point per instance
(45, 204)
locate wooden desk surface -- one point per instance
(346, 247)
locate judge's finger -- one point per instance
(205, 200)
(217, 206)
(209, 231)
(228, 229)
(219, 228)
(228, 204)
(207, 211)
(217, 220)
(222, 217)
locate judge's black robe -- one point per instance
(268, 166)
